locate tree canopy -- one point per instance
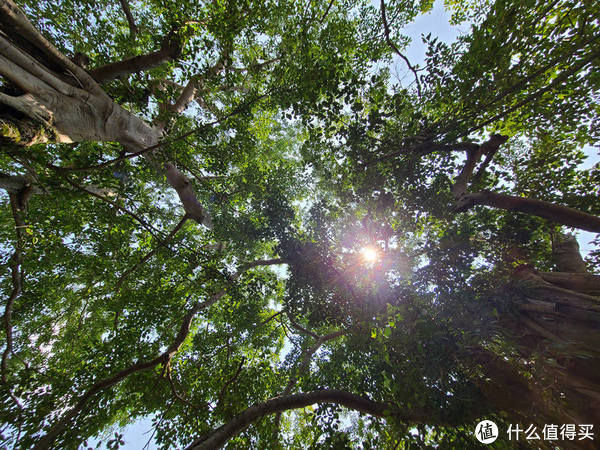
(229, 217)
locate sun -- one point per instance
(369, 254)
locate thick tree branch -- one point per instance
(490, 147)
(580, 282)
(163, 142)
(28, 72)
(170, 50)
(396, 50)
(187, 195)
(13, 184)
(220, 436)
(556, 213)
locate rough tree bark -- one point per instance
(555, 323)
(69, 105)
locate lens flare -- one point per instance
(369, 254)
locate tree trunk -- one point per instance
(556, 325)
(69, 113)
(55, 107)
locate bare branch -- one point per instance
(326, 13)
(133, 29)
(153, 231)
(230, 381)
(300, 328)
(393, 46)
(173, 390)
(273, 316)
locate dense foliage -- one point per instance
(228, 217)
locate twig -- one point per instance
(173, 390)
(393, 46)
(230, 381)
(162, 243)
(300, 328)
(153, 231)
(266, 321)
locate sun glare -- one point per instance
(369, 254)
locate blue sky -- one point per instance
(435, 22)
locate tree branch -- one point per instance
(149, 255)
(169, 50)
(556, 213)
(393, 46)
(580, 282)
(300, 328)
(219, 437)
(563, 76)
(130, 21)
(303, 366)
(490, 147)
(45, 442)
(153, 231)
(230, 381)
(17, 281)
(262, 262)
(162, 143)
(427, 148)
